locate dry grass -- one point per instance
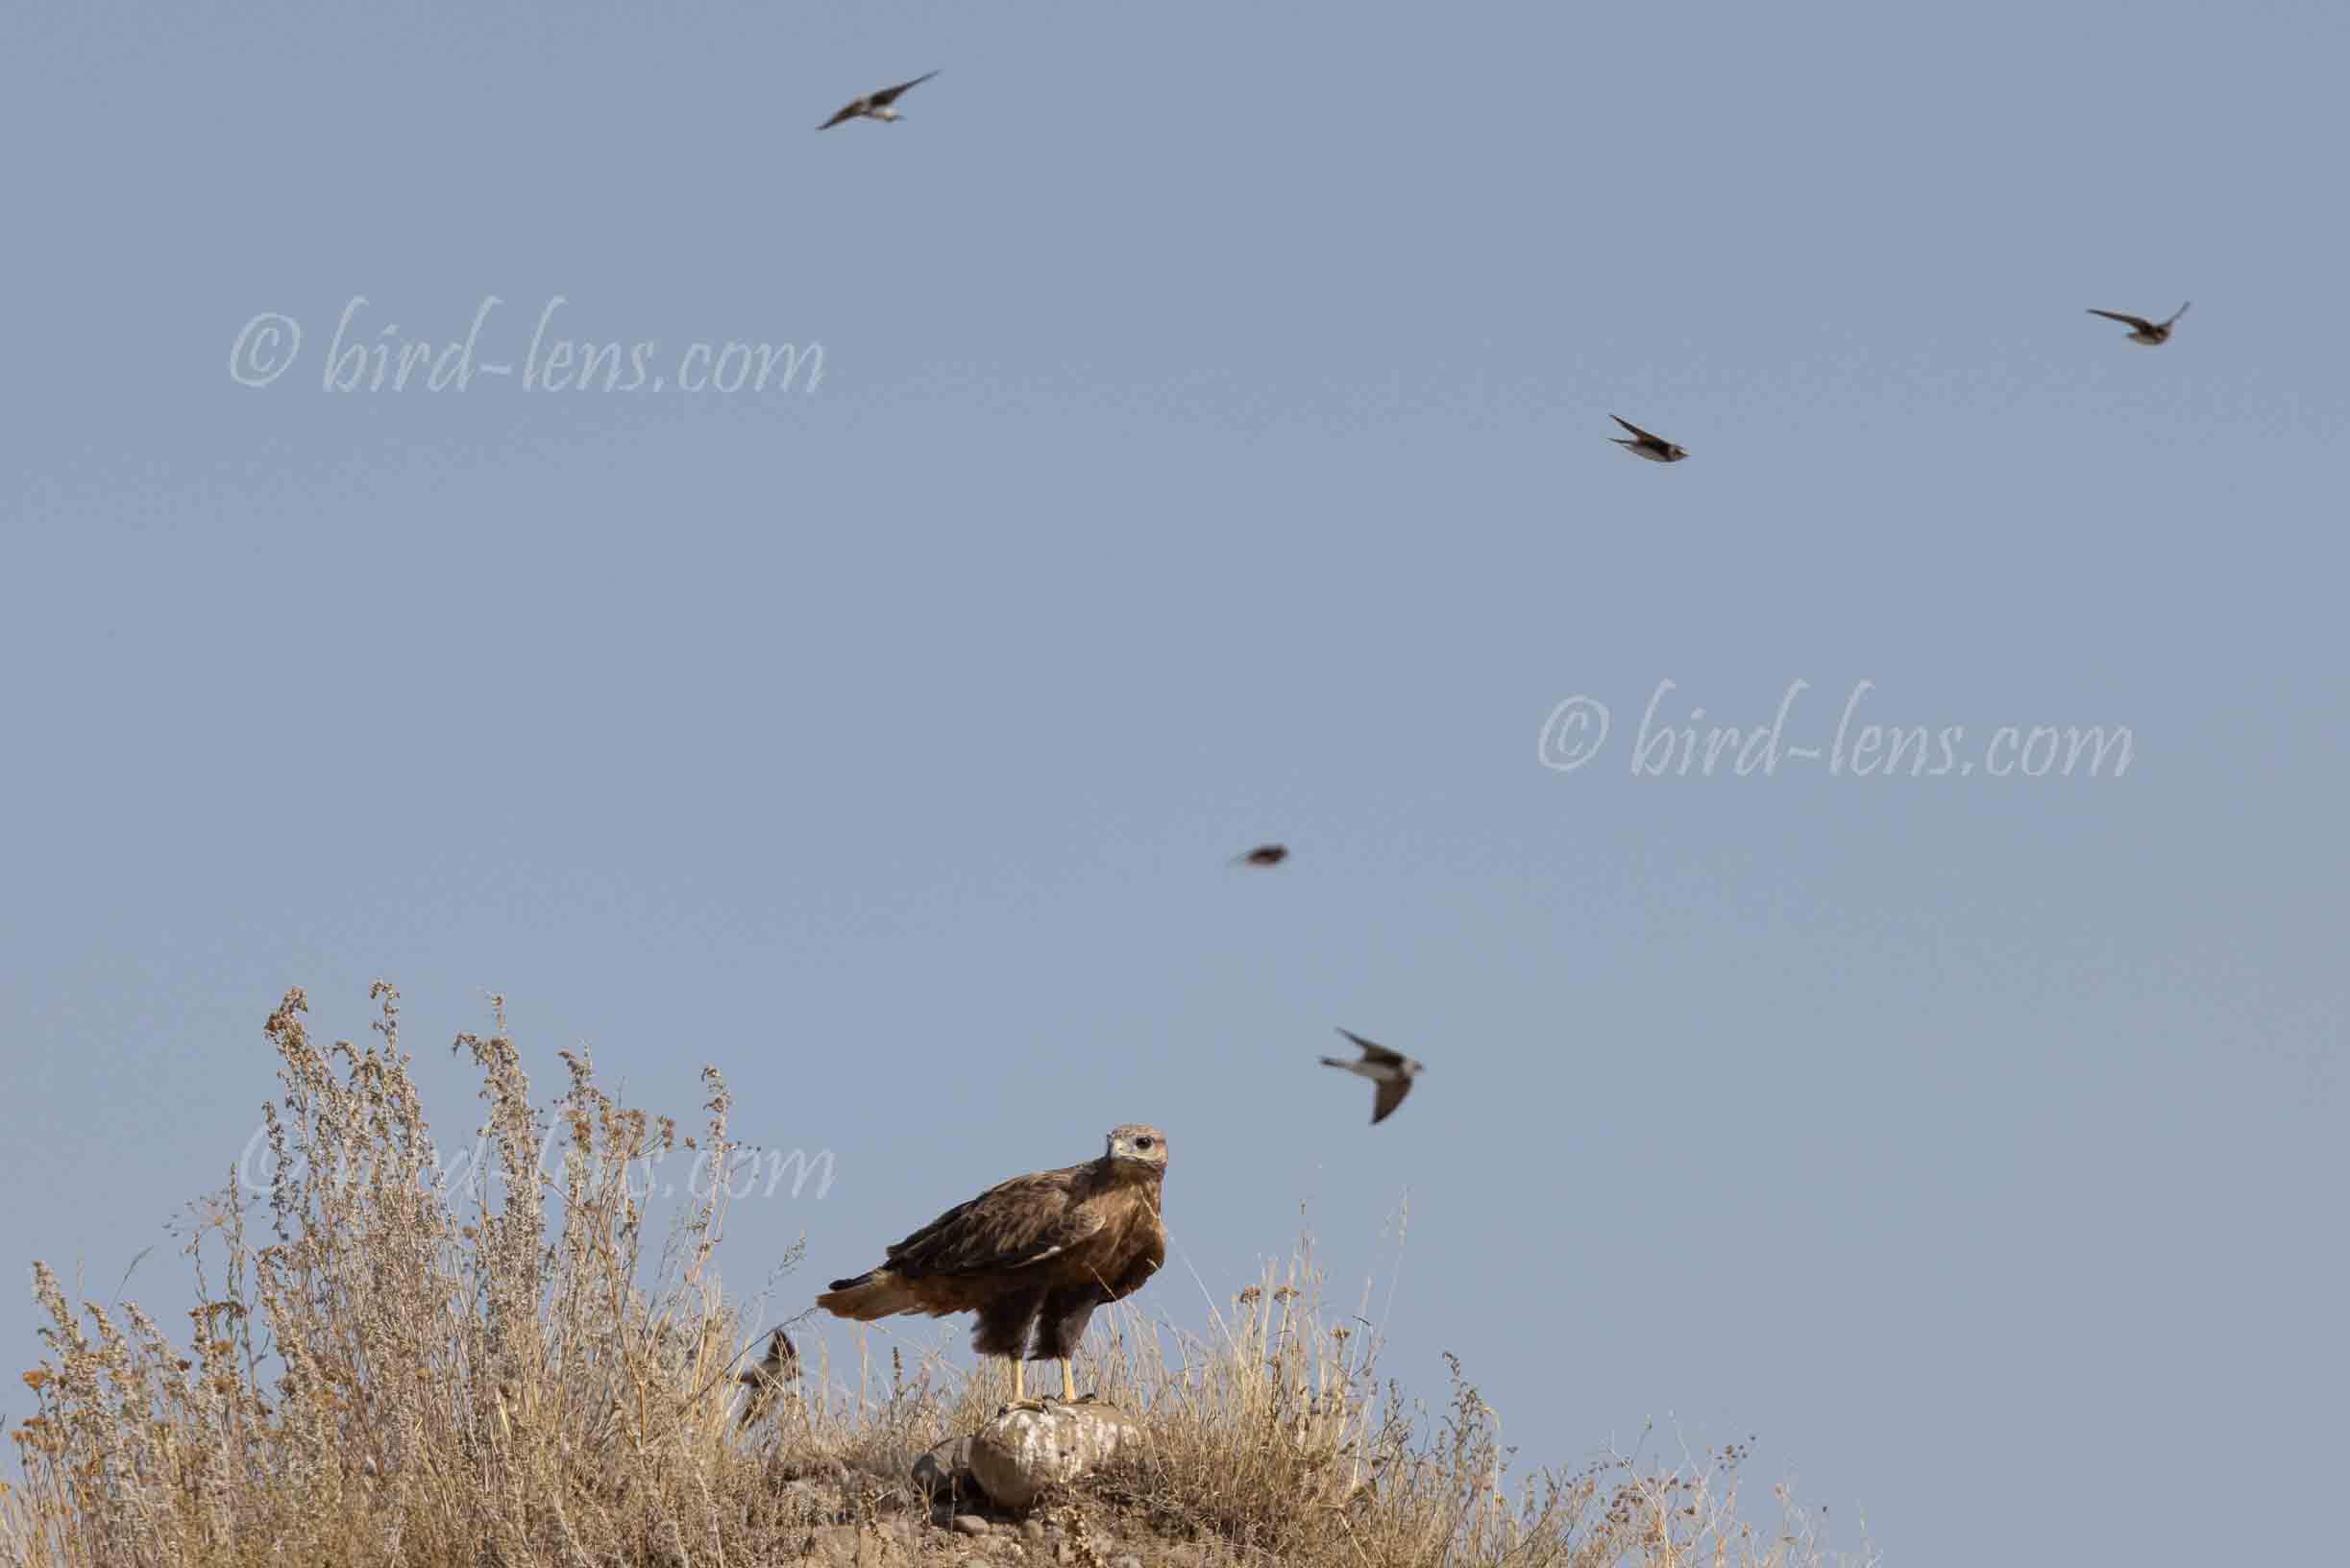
(497, 1372)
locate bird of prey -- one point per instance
(1654, 448)
(1265, 854)
(767, 1379)
(875, 106)
(1392, 1071)
(1033, 1256)
(2149, 333)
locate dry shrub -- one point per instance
(391, 1376)
(1273, 1437)
(412, 1369)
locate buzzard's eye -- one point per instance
(1144, 1142)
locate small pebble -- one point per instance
(1032, 1530)
(970, 1524)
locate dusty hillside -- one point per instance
(393, 1374)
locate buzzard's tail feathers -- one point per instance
(869, 1296)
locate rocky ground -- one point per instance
(1010, 1492)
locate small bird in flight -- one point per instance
(2149, 332)
(1392, 1071)
(1654, 448)
(767, 1377)
(1265, 854)
(875, 106)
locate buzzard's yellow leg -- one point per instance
(1019, 1389)
(1068, 1385)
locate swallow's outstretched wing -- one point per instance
(875, 99)
(889, 95)
(1374, 1053)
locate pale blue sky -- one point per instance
(1213, 447)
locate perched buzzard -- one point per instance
(767, 1377)
(1032, 1257)
(875, 106)
(1391, 1071)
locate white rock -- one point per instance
(1018, 1455)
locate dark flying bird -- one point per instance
(1033, 1256)
(1654, 448)
(2149, 333)
(767, 1377)
(1265, 854)
(875, 106)
(1392, 1071)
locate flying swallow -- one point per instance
(2149, 332)
(1392, 1071)
(781, 1365)
(1654, 448)
(875, 106)
(1265, 854)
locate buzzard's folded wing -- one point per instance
(1027, 1220)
